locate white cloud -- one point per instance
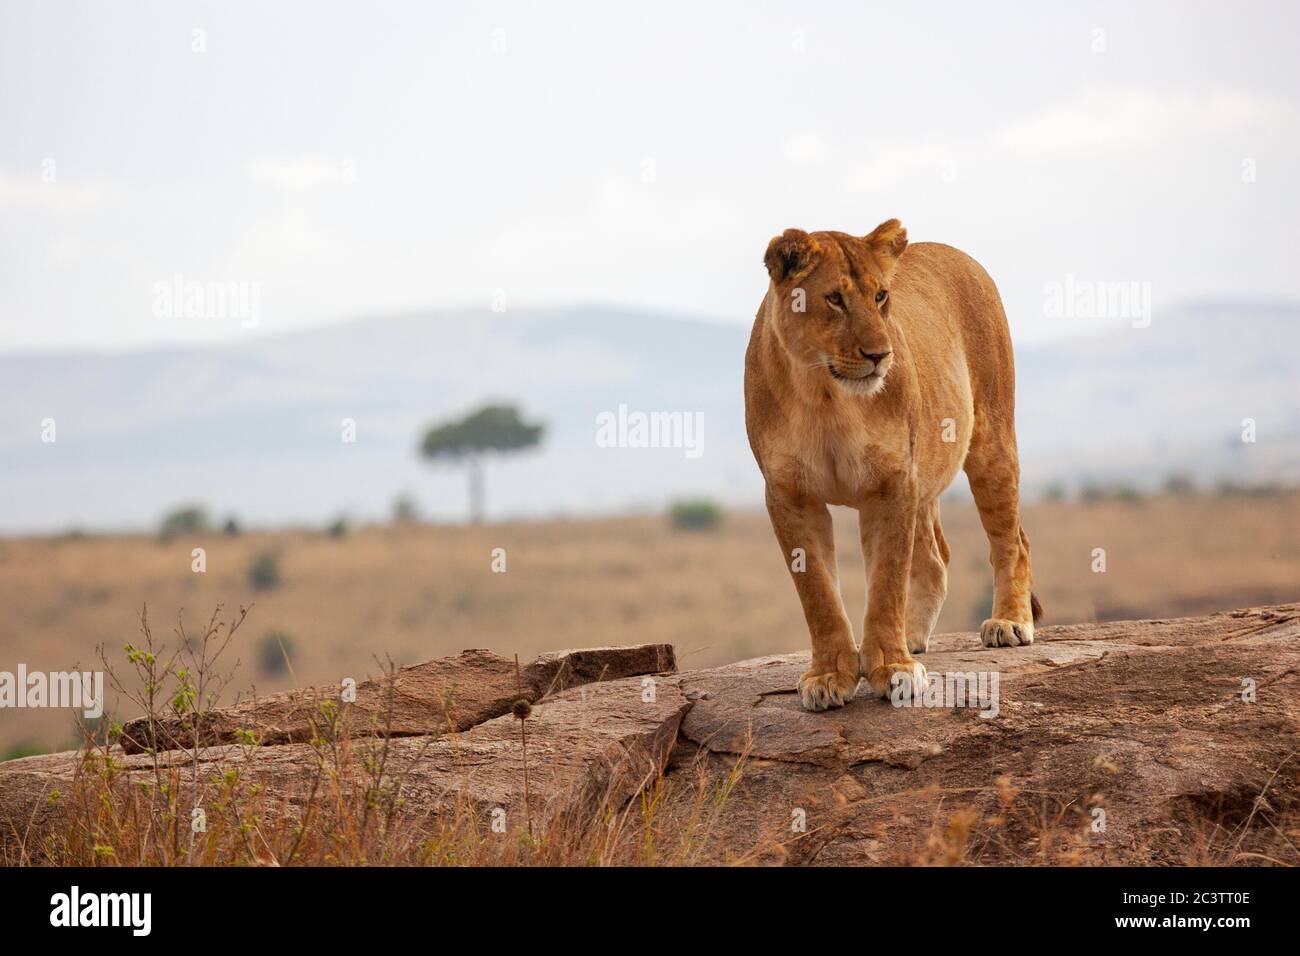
(805, 148)
(304, 172)
(893, 160)
(65, 248)
(57, 197)
(1130, 119)
(1097, 124)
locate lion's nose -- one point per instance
(877, 357)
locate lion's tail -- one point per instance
(1035, 607)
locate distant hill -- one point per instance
(254, 429)
(1138, 404)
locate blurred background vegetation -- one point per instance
(712, 581)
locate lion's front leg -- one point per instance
(803, 527)
(888, 526)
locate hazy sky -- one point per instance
(358, 157)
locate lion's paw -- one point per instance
(908, 677)
(998, 633)
(824, 691)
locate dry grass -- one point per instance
(1004, 825)
(422, 592)
(354, 802)
(352, 806)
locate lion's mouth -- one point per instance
(837, 374)
(858, 383)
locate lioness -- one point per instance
(874, 372)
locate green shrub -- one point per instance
(405, 510)
(1127, 493)
(1094, 492)
(24, 749)
(1228, 488)
(191, 519)
(264, 572)
(272, 652)
(698, 514)
(102, 730)
(338, 527)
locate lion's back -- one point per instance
(951, 302)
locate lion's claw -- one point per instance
(999, 633)
(824, 691)
(907, 678)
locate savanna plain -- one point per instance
(329, 604)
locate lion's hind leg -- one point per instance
(927, 584)
(993, 469)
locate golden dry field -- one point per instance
(412, 593)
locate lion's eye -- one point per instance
(836, 300)
(881, 296)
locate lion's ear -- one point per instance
(887, 241)
(790, 254)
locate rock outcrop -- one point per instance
(451, 693)
(1172, 741)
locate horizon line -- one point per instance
(1188, 303)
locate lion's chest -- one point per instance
(836, 461)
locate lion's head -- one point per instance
(832, 306)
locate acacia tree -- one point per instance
(468, 440)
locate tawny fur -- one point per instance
(876, 370)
